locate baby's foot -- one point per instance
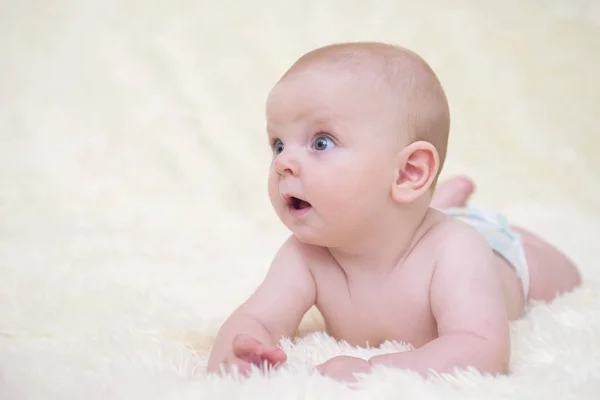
(454, 192)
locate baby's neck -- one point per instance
(382, 250)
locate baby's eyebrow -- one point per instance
(271, 137)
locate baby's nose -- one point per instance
(285, 163)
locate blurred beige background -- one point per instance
(133, 157)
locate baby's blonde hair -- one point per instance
(424, 105)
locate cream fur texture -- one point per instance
(133, 206)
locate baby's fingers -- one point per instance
(251, 350)
(273, 355)
(246, 347)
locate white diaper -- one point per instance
(495, 229)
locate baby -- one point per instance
(359, 134)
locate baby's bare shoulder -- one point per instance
(459, 250)
(452, 234)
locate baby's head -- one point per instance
(358, 131)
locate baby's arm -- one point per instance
(275, 309)
(468, 305)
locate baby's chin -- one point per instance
(305, 234)
(309, 231)
(312, 237)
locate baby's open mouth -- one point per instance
(298, 204)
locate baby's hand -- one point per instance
(343, 368)
(251, 350)
(247, 351)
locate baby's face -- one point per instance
(334, 141)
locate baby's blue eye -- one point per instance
(277, 146)
(322, 142)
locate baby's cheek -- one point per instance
(348, 212)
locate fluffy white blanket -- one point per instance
(133, 207)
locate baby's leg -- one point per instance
(550, 271)
(452, 193)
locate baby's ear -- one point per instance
(416, 169)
